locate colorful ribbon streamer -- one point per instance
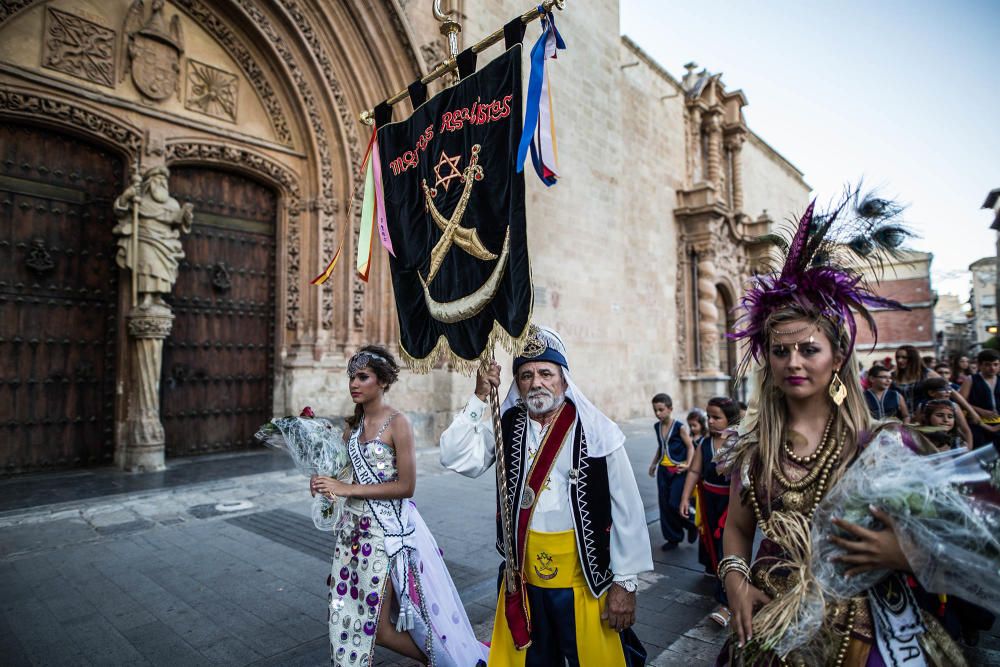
(366, 238)
(539, 132)
(372, 215)
(383, 225)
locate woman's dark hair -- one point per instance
(384, 365)
(956, 369)
(665, 399)
(730, 409)
(914, 370)
(699, 416)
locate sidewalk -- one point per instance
(131, 572)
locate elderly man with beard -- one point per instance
(162, 219)
(578, 536)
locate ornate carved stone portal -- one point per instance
(717, 236)
(150, 223)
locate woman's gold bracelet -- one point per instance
(733, 563)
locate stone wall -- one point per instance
(771, 183)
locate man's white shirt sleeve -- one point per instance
(630, 549)
(467, 446)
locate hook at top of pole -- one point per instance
(450, 27)
(440, 14)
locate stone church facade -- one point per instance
(638, 253)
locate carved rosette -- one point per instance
(211, 91)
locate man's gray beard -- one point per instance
(159, 192)
(542, 401)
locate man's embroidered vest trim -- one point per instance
(590, 497)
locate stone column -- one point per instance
(734, 143)
(713, 125)
(708, 313)
(148, 325)
(695, 168)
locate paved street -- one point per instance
(152, 572)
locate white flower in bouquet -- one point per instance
(317, 447)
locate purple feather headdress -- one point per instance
(822, 273)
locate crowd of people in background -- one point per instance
(955, 403)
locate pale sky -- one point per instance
(904, 94)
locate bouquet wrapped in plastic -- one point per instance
(945, 509)
(317, 447)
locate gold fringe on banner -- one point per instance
(442, 352)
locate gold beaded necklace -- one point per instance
(822, 453)
(795, 495)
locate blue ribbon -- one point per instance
(535, 89)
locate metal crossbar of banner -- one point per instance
(451, 28)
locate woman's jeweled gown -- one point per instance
(380, 540)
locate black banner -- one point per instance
(455, 212)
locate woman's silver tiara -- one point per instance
(362, 359)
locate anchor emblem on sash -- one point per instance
(466, 238)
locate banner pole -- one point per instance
(506, 528)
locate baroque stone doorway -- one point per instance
(218, 363)
(58, 299)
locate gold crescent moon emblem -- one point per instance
(470, 305)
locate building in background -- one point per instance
(908, 281)
(993, 202)
(951, 322)
(638, 254)
(983, 302)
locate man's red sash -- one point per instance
(515, 603)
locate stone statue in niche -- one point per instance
(152, 50)
(161, 221)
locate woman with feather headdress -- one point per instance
(798, 326)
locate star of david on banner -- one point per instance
(454, 206)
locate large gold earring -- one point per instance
(838, 390)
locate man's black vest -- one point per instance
(981, 396)
(589, 491)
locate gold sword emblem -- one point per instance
(546, 571)
(467, 239)
(451, 229)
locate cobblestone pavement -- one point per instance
(161, 576)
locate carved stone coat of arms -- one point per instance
(152, 50)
